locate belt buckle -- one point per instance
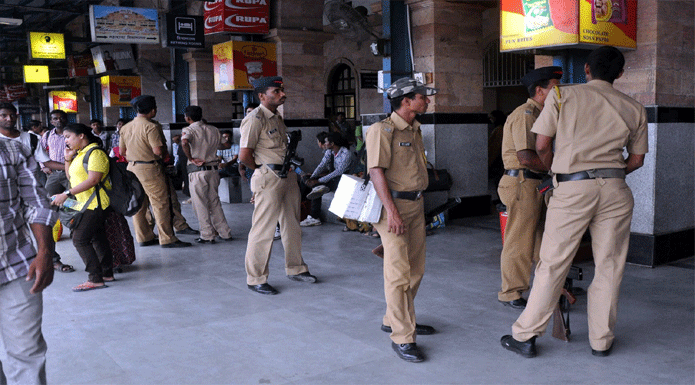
(591, 173)
(418, 195)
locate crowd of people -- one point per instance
(546, 137)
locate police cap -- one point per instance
(270, 81)
(144, 102)
(405, 86)
(539, 74)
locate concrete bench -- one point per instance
(234, 190)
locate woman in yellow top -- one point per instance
(89, 237)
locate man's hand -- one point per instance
(395, 222)
(312, 182)
(242, 172)
(41, 268)
(198, 162)
(46, 170)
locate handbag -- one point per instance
(71, 218)
(355, 198)
(439, 180)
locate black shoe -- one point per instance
(526, 348)
(263, 288)
(602, 353)
(303, 277)
(201, 240)
(188, 231)
(519, 303)
(421, 330)
(176, 244)
(151, 242)
(408, 352)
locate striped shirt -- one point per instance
(343, 163)
(23, 201)
(55, 145)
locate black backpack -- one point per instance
(126, 195)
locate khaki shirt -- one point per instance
(517, 135)
(139, 137)
(265, 133)
(397, 147)
(592, 123)
(203, 140)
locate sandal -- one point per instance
(108, 279)
(88, 286)
(63, 268)
(373, 234)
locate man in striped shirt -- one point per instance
(24, 271)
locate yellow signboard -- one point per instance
(36, 74)
(237, 63)
(118, 91)
(63, 100)
(47, 45)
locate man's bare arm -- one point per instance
(530, 159)
(544, 149)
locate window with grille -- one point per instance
(341, 96)
(504, 69)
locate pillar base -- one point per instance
(653, 250)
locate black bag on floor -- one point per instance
(439, 180)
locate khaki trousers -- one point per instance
(522, 236)
(153, 181)
(605, 207)
(276, 200)
(206, 203)
(404, 266)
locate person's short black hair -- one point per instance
(321, 136)
(124, 120)
(193, 112)
(8, 106)
(335, 138)
(96, 121)
(251, 105)
(541, 83)
(79, 128)
(35, 123)
(606, 63)
(59, 112)
(396, 102)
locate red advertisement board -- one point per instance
(16, 91)
(237, 16)
(80, 65)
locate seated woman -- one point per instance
(89, 237)
(344, 162)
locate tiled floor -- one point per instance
(185, 316)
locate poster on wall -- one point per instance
(527, 24)
(124, 25)
(237, 16)
(47, 45)
(118, 91)
(112, 57)
(63, 100)
(237, 63)
(80, 65)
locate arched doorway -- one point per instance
(341, 96)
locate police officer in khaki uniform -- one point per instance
(397, 167)
(518, 188)
(592, 124)
(263, 146)
(142, 143)
(199, 142)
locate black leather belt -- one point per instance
(194, 168)
(408, 195)
(528, 174)
(144, 161)
(592, 174)
(274, 167)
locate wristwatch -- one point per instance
(67, 192)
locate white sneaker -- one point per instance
(277, 233)
(309, 221)
(317, 192)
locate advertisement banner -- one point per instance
(63, 100)
(184, 31)
(36, 74)
(529, 24)
(236, 63)
(237, 16)
(112, 57)
(80, 65)
(16, 91)
(118, 91)
(47, 45)
(124, 25)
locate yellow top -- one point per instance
(99, 162)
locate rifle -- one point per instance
(561, 314)
(291, 158)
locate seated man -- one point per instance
(343, 162)
(227, 154)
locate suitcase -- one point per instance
(120, 239)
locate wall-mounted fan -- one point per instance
(349, 22)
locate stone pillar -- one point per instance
(216, 105)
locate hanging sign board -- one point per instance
(63, 100)
(237, 16)
(124, 25)
(184, 31)
(118, 91)
(47, 45)
(533, 24)
(237, 63)
(36, 74)
(112, 57)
